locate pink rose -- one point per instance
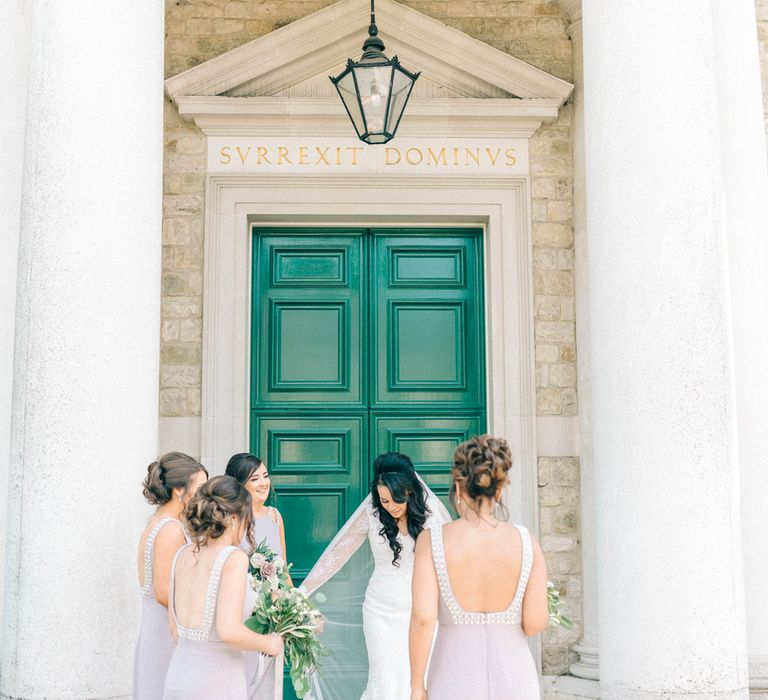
(269, 569)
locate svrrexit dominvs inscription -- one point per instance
(457, 157)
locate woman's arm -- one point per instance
(168, 541)
(282, 540)
(535, 615)
(423, 613)
(229, 610)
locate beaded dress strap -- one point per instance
(525, 568)
(172, 586)
(438, 556)
(149, 553)
(202, 633)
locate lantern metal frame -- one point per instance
(373, 58)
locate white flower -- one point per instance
(279, 562)
(258, 560)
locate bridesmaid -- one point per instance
(252, 473)
(485, 581)
(264, 674)
(171, 482)
(210, 599)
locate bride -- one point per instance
(391, 517)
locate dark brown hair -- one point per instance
(242, 465)
(481, 466)
(172, 471)
(395, 471)
(210, 511)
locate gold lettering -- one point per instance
(261, 154)
(470, 155)
(493, 158)
(455, 155)
(240, 153)
(282, 154)
(354, 150)
(436, 157)
(338, 155)
(303, 156)
(509, 154)
(225, 153)
(389, 150)
(408, 156)
(321, 156)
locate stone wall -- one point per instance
(761, 10)
(559, 538)
(532, 30)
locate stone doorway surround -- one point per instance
(274, 93)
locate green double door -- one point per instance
(363, 341)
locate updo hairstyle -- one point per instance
(173, 470)
(210, 511)
(481, 466)
(242, 465)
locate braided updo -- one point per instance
(481, 466)
(173, 470)
(210, 511)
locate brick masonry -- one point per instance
(532, 30)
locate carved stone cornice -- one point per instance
(572, 9)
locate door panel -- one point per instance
(427, 321)
(317, 477)
(429, 442)
(308, 314)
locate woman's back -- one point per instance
(482, 577)
(194, 574)
(202, 665)
(484, 583)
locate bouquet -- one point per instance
(286, 611)
(267, 569)
(556, 617)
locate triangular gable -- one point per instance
(294, 62)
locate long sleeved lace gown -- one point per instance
(496, 662)
(387, 603)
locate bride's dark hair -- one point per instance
(396, 472)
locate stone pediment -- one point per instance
(275, 80)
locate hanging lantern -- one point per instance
(375, 89)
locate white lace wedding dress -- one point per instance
(386, 606)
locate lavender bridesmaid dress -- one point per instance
(155, 646)
(496, 662)
(264, 680)
(203, 667)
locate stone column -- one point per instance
(745, 178)
(587, 665)
(670, 576)
(86, 347)
(14, 63)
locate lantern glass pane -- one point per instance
(373, 83)
(348, 94)
(401, 89)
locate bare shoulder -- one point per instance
(278, 517)
(237, 561)
(171, 532)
